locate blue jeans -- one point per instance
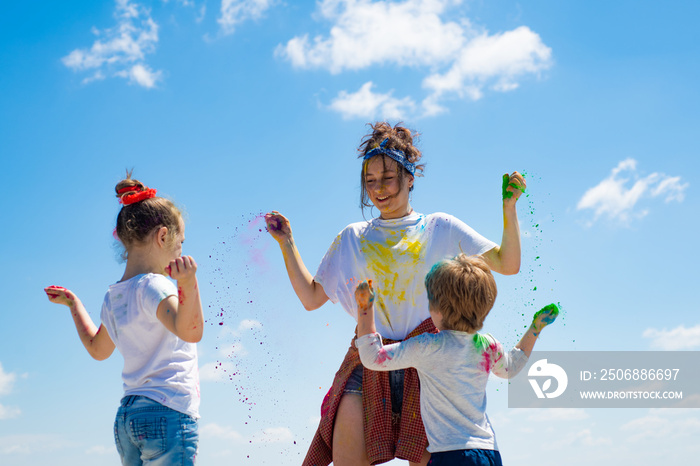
(396, 378)
(466, 458)
(148, 433)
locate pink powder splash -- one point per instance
(382, 356)
(251, 239)
(491, 356)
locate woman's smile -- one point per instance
(387, 191)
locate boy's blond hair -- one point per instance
(463, 291)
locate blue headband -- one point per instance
(397, 155)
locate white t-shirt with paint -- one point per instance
(157, 364)
(453, 368)
(396, 255)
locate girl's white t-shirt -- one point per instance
(396, 255)
(157, 364)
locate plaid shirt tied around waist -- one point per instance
(384, 438)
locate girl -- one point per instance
(371, 417)
(155, 326)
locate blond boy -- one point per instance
(454, 364)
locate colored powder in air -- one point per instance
(552, 311)
(506, 183)
(506, 194)
(251, 238)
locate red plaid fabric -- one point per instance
(385, 439)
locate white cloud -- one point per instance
(366, 104)
(499, 59)
(267, 435)
(583, 437)
(655, 427)
(613, 198)
(273, 435)
(218, 371)
(558, 414)
(366, 33)
(7, 381)
(32, 443)
(121, 50)
(214, 430)
(224, 368)
(234, 12)
(9, 412)
(100, 450)
(416, 34)
(141, 75)
(249, 324)
(677, 339)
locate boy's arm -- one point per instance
(540, 320)
(373, 354)
(96, 340)
(183, 315)
(364, 295)
(510, 364)
(505, 259)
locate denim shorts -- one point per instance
(474, 457)
(354, 386)
(148, 433)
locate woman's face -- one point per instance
(387, 193)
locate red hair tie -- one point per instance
(127, 199)
(128, 189)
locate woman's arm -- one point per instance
(505, 259)
(183, 315)
(96, 340)
(310, 293)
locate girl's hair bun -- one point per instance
(128, 186)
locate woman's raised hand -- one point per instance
(278, 226)
(513, 186)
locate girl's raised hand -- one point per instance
(364, 294)
(60, 295)
(182, 268)
(278, 226)
(513, 186)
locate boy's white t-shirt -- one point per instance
(453, 368)
(396, 255)
(157, 364)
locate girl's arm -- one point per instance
(505, 259)
(96, 340)
(310, 293)
(183, 315)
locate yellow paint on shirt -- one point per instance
(392, 264)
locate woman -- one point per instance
(359, 426)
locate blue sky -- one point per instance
(235, 108)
